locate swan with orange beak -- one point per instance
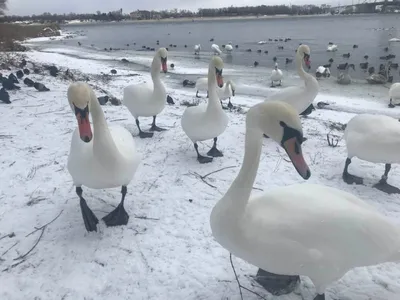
(104, 159)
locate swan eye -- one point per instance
(82, 112)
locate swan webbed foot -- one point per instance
(320, 297)
(144, 135)
(156, 128)
(383, 186)
(277, 285)
(214, 152)
(118, 216)
(230, 105)
(352, 179)
(89, 218)
(204, 159)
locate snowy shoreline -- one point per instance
(171, 254)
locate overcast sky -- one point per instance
(28, 7)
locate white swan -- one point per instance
(373, 138)
(197, 49)
(229, 48)
(226, 92)
(207, 121)
(201, 85)
(332, 48)
(300, 97)
(148, 100)
(322, 72)
(104, 159)
(394, 94)
(216, 49)
(301, 229)
(276, 75)
(392, 40)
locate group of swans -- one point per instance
(275, 231)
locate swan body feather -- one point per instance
(373, 138)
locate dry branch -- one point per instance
(203, 177)
(240, 285)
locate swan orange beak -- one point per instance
(307, 61)
(220, 80)
(164, 66)
(85, 131)
(293, 150)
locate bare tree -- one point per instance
(3, 6)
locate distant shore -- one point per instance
(199, 19)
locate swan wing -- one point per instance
(311, 229)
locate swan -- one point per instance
(332, 48)
(106, 158)
(226, 92)
(146, 100)
(207, 121)
(300, 97)
(344, 77)
(301, 229)
(373, 138)
(197, 49)
(229, 47)
(394, 94)
(276, 75)
(201, 85)
(394, 40)
(216, 49)
(322, 72)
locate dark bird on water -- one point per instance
(40, 87)
(20, 74)
(366, 56)
(256, 63)
(4, 96)
(29, 82)
(346, 55)
(113, 71)
(170, 100)
(331, 60)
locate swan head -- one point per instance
(218, 65)
(276, 66)
(162, 53)
(281, 122)
(79, 96)
(304, 52)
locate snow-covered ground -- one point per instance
(167, 250)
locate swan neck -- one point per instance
(104, 147)
(239, 192)
(213, 100)
(155, 68)
(299, 66)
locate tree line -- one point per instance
(174, 13)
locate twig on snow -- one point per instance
(146, 218)
(239, 284)
(5, 252)
(10, 235)
(45, 225)
(14, 265)
(116, 120)
(203, 177)
(42, 229)
(279, 152)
